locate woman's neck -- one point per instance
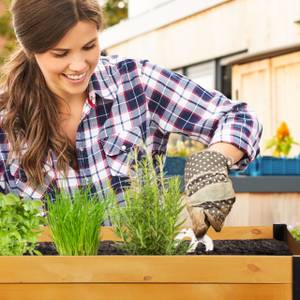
(72, 104)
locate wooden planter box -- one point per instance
(157, 277)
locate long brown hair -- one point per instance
(31, 116)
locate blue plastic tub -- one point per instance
(263, 165)
(251, 170)
(174, 166)
(269, 165)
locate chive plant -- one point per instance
(148, 222)
(75, 222)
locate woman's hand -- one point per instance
(209, 190)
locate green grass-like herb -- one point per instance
(148, 223)
(75, 222)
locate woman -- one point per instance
(70, 117)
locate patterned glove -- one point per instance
(209, 191)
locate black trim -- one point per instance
(265, 54)
(266, 184)
(296, 278)
(280, 232)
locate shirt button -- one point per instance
(123, 147)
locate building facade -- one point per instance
(248, 49)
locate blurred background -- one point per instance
(247, 49)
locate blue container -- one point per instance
(174, 166)
(269, 165)
(263, 165)
(251, 170)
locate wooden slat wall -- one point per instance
(272, 89)
(264, 209)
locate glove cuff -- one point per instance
(204, 168)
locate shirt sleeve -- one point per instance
(177, 104)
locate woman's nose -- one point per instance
(78, 65)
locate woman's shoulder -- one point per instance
(112, 72)
(118, 64)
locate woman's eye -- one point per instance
(60, 55)
(89, 47)
(86, 48)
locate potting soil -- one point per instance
(221, 247)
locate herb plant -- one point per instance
(75, 222)
(20, 225)
(148, 222)
(295, 232)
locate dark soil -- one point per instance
(221, 247)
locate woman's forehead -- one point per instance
(80, 34)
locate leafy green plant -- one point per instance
(6, 32)
(114, 11)
(148, 222)
(20, 225)
(75, 222)
(295, 232)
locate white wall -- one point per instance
(138, 7)
(221, 29)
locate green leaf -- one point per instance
(271, 143)
(19, 225)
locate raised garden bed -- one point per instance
(232, 276)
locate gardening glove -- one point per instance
(209, 192)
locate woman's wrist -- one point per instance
(231, 152)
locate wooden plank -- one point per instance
(238, 233)
(150, 269)
(145, 291)
(242, 233)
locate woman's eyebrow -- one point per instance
(64, 49)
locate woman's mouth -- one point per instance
(78, 78)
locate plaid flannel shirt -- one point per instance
(133, 102)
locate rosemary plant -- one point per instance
(148, 222)
(75, 222)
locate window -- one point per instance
(204, 74)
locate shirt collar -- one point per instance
(104, 80)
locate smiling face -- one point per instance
(69, 65)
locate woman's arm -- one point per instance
(231, 152)
(177, 104)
